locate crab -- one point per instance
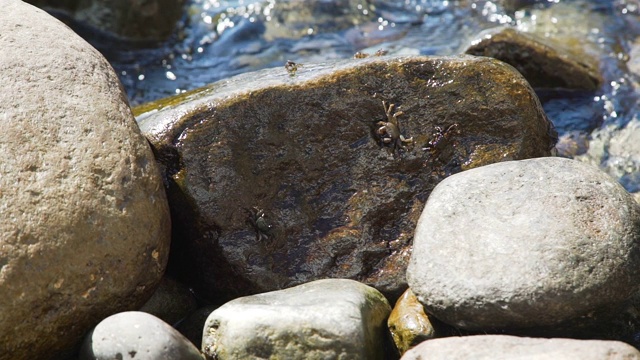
(389, 130)
(260, 224)
(291, 67)
(441, 140)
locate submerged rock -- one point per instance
(324, 319)
(278, 178)
(542, 63)
(497, 347)
(523, 244)
(85, 230)
(149, 20)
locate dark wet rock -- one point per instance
(496, 347)
(149, 20)
(136, 335)
(295, 18)
(542, 63)
(278, 179)
(85, 230)
(171, 302)
(408, 323)
(323, 319)
(570, 229)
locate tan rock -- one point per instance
(408, 323)
(85, 230)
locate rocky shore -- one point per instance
(380, 207)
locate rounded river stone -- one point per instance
(85, 227)
(323, 319)
(503, 347)
(136, 335)
(525, 243)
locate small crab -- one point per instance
(441, 140)
(260, 224)
(361, 55)
(291, 67)
(381, 52)
(390, 130)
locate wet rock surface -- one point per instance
(543, 63)
(278, 178)
(323, 319)
(136, 335)
(85, 230)
(497, 347)
(571, 229)
(408, 323)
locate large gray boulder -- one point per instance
(525, 243)
(323, 319)
(504, 347)
(277, 178)
(85, 225)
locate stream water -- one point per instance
(218, 39)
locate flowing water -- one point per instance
(218, 39)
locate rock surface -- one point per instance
(498, 347)
(571, 229)
(336, 201)
(324, 319)
(542, 63)
(136, 335)
(86, 228)
(408, 323)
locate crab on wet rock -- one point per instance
(389, 130)
(260, 224)
(441, 140)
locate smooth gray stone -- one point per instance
(525, 243)
(323, 319)
(137, 335)
(498, 347)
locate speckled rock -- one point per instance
(323, 319)
(136, 335)
(305, 149)
(171, 302)
(408, 323)
(86, 227)
(543, 63)
(572, 230)
(504, 347)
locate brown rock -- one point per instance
(408, 323)
(306, 150)
(85, 230)
(542, 63)
(139, 20)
